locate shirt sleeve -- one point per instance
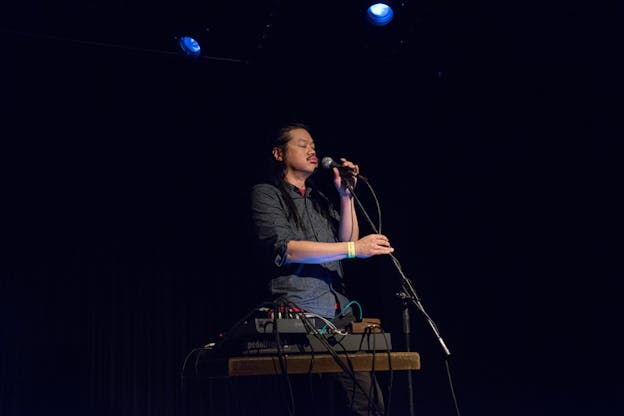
(270, 219)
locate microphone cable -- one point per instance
(410, 292)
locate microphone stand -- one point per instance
(406, 333)
(408, 295)
(408, 287)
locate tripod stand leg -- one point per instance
(406, 332)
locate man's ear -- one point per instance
(277, 154)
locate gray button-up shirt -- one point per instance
(315, 288)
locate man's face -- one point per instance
(300, 152)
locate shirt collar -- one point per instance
(296, 190)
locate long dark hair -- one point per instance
(321, 203)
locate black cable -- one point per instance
(309, 328)
(197, 357)
(359, 204)
(219, 345)
(369, 331)
(281, 357)
(365, 180)
(348, 370)
(407, 284)
(390, 370)
(188, 356)
(228, 335)
(410, 292)
(448, 373)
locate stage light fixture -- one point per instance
(380, 14)
(189, 46)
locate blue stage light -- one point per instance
(380, 14)
(189, 46)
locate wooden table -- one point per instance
(322, 363)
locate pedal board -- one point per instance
(311, 343)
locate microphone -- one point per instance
(328, 163)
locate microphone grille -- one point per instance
(327, 162)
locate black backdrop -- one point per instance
(490, 140)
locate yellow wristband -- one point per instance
(350, 249)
